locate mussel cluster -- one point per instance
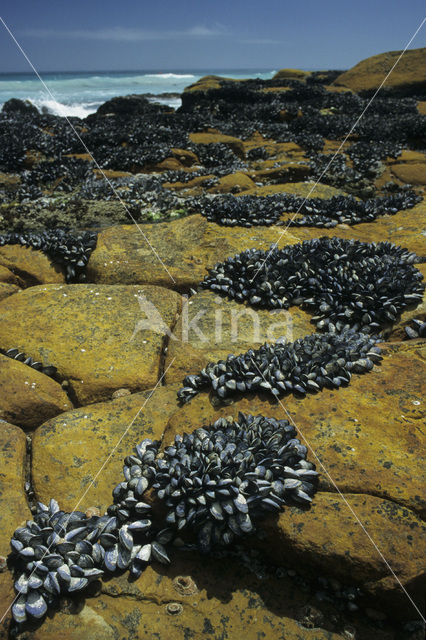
(216, 481)
(347, 283)
(69, 249)
(247, 211)
(416, 329)
(307, 365)
(54, 554)
(16, 354)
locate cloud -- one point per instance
(261, 41)
(126, 34)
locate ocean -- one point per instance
(81, 93)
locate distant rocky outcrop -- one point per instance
(291, 74)
(408, 77)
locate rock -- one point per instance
(7, 290)
(284, 173)
(401, 229)
(307, 189)
(130, 105)
(189, 186)
(366, 435)
(235, 144)
(291, 74)
(396, 332)
(14, 509)
(69, 450)
(206, 83)
(97, 336)
(28, 397)
(13, 504)
(168, 164)
(327, 538)
(233, 183)
(8, 277)
(120, 393)
(31, 266)
(412, 173)
(408, 77)
(9, 182)
(111, 174)
(229, 598)
(212, 327)
(24, 107)
(187, 246)
(185, 157)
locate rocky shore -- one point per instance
(134, 273)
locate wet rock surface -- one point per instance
(351, 439)
(28, 397)
(69, 450)
(87, 334)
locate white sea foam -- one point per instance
(169, 75)
(79, 110)
(80, 94)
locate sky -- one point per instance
(112, 35)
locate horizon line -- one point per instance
(164, 71)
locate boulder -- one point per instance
(101, 338)
(235, 144)
(407, 78)
(13, 503)
(307, 189)
(401, 229)
(28, 397)
(7, 290)
(366, 435)
(187, 246)
(131, 105)
(21, 107)
(291, 74)
(14, 509)
(329, 538)
(68, 451)
(411, 173)
(210, 327)
(233, 183)
(30, 266)
(7, 276)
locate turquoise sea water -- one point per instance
(79, 94)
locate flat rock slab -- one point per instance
(14, 510)
(328, 537)
(13, 504)
(225, 600)
(33, 267)
(92, 333)
(7, 290)
(367, 435)
(28, 397)
(188, 247)
(211, 327)
(308, 189)
(69, 450)
(405, 228)
(7, 276)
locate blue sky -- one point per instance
(99, 35)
